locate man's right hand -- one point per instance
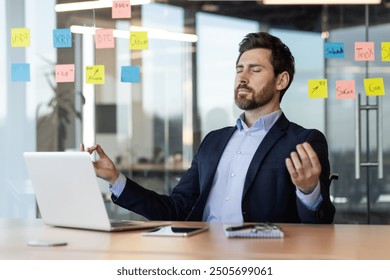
(104, 167)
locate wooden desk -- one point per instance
(300, 242)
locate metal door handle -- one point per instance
(380, 137)
(357, 137)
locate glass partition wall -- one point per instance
(152, 124)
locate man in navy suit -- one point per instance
(264, 169)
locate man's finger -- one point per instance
(291, 169)
(100, 151)
(312, 155)
(303, 156)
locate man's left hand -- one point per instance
(304, 168)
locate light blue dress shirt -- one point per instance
(224, 201)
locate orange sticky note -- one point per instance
(64, 73)
(374, 86)
(104, 38)
(20, 37)
(385, 47)
(121, 9)
(318, 88)
(95, 74)
(345, 89)
(364, 51)
(139, 40)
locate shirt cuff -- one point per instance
(311, 200)
(119, 185)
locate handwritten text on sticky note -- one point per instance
(364, 51)
(130, 74)
(20, 37)
(385, 47)
(139, 40)
(318, 88)
(65, 73)
(95, 74)
(121, 9)
(345, 89)
(62, 38)
(20, 72)
(104, 38)
(334, 50)
(374, 86)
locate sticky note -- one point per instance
(121, 9)
(20, 72)
(104, 38)
(318, 88)
(374, 86)
(345, 89)
(62, 38)
(364, 51)
(130, 74)
(95, 74)
(64, 73)
(334, 50)
(139, 40)
(20, 37)
(385, 47)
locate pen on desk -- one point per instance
(239, 227)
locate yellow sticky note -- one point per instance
(139, 40)
(318, 88)
(385, 51)
(20, 37)
(95, 74)
(374, 86)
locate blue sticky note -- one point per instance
(334, 50)
(62, 38)
(130, 74)
(20, 72)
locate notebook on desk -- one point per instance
(68, 193)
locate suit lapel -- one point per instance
(216, 154)
(275, 133)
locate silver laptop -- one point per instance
(68, 193)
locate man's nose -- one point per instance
(243, 77)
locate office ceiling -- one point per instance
(311, 18)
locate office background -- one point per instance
(153, 127)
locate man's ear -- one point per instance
(282, 80)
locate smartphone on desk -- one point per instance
(174, 231)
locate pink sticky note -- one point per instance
(345, 89)
(104, 38)
(364, 51)
(64, 73)
(121, 9)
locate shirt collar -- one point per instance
(264, 122)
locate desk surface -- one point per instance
(300, 242)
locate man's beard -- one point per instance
(259, 99)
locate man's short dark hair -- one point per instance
(281, 57)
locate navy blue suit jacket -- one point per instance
(269, 194)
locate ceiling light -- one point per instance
(320, 2)
(90, 5)
(152, 33)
